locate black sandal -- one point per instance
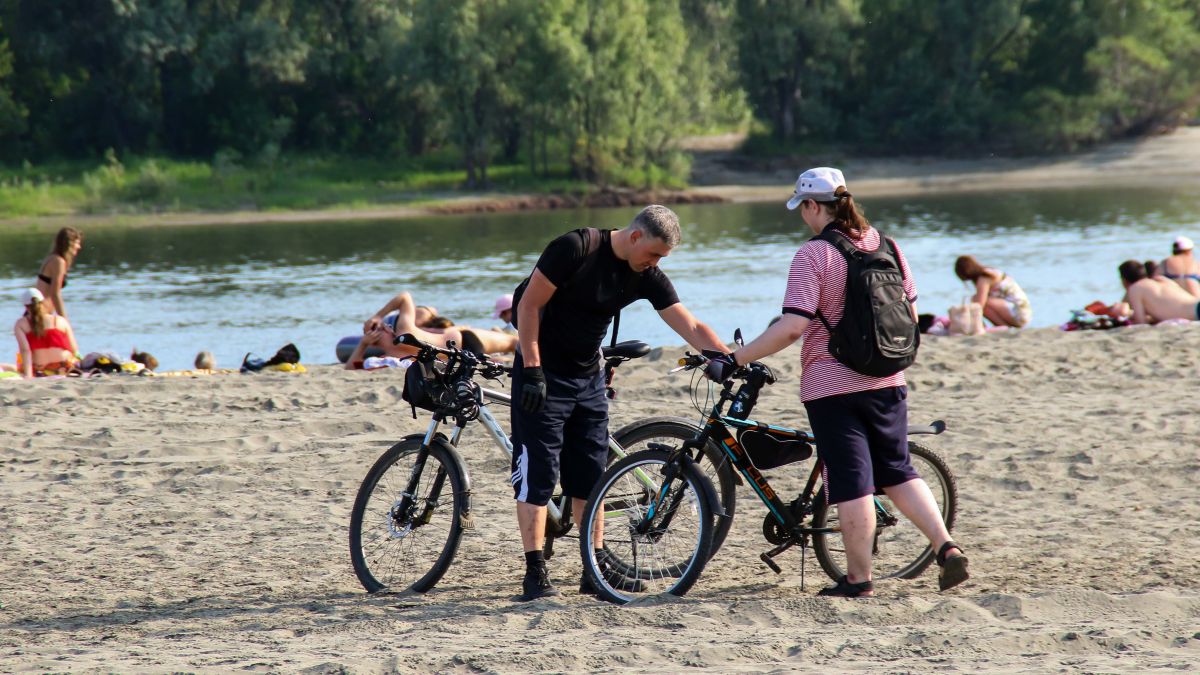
(845, 589)
(954, 570)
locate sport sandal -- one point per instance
(845, 589)
(954, 569)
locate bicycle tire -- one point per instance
(388, 553)
(667, 560)
(901, 551)
(635, 437)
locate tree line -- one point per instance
(600, 89)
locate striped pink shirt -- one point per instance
(817, 281)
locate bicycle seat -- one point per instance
(628, 349)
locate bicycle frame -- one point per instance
(489, 422)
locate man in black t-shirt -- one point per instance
(559, 406)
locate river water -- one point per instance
(174, 291)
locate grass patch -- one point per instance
(269, 182)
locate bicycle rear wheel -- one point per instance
(901, 551)
(669, 552)
(669, 432)
(401, 538)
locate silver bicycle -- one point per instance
(415, 502)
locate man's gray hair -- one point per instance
(658, 222)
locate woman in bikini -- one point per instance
(44, 339)
(52, 277)
(1182, 267)
(1004, 302)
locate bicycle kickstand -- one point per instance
(767, 557)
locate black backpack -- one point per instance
(877, 335)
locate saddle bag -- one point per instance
(425, 386)
(768, 452)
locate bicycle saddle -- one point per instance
(628, 349)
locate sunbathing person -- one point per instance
(1182, 268)
(476, 340)
(1151, 301)
(45, 340)
(423, 315)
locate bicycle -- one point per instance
(405, 526)
(659, 511)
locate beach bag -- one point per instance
(877, 335)
(425, 386)
(966, 319)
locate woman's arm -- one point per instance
(71, 336)
(777, 337)
(982, 286)
(26, 352)
(58, 272)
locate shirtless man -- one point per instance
(378, 334)
(1152, 301)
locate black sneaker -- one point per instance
(614, 578)
(536, 584)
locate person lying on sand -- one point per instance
(424, 316)
(1151, 301)
(476, 340)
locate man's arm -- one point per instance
(692, 330)
(537, 293)
(777, 337)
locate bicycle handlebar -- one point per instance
(691, 361)
(477, 363)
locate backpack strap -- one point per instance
(831, 236)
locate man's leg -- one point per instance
(537, 443)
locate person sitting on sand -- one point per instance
(1151, 301)
(1182, 267)
(472, 339)
(1004, 303)
(45, 340)
(52, 277)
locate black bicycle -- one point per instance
(659, 512)
(415, 502)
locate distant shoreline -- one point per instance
(1168, 160)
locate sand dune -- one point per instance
(200, 524)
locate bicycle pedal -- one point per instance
(771, 563)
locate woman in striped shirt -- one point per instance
(860, 422)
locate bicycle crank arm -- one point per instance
(771, 563)
(767, 557)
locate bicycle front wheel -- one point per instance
(407, 519)
(667, 432)
(646, 549)
(901, 550)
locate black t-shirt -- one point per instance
(576, 319)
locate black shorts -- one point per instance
(863, 440)
(567, 440)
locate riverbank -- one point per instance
(199, 524)
(719, 174)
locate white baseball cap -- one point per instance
(817, 184)
(1182, 244)
(503, 302)
(31, 295)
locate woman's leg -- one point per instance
(916, 502)
(997, 311)
(857, 520)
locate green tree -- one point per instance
(796, 56)
(12, 113)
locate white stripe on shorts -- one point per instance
(521, 475)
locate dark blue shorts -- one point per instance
(863, 440)
(566, 441)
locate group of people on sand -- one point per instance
(559, 414)
(45, 340)
(1161, 291)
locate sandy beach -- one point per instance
(199, 524)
